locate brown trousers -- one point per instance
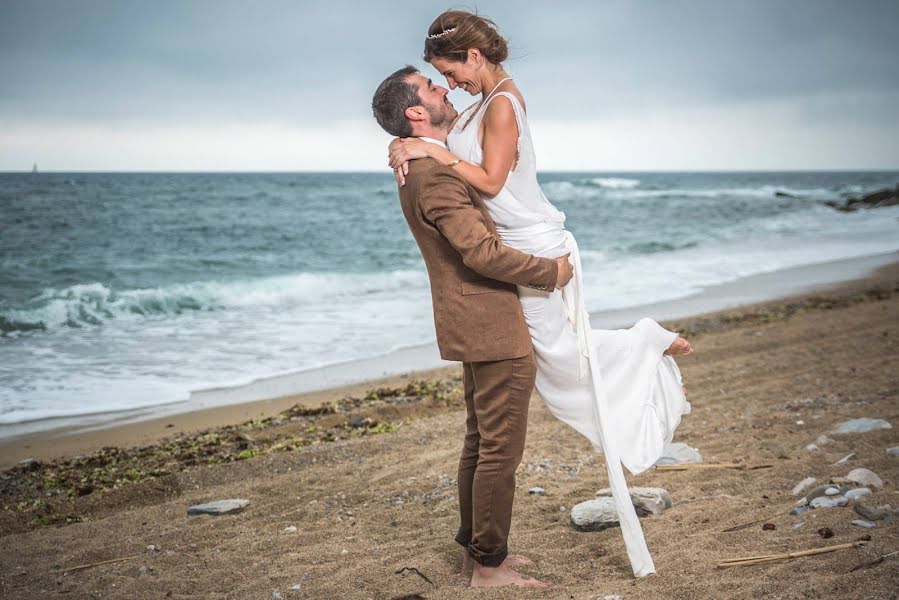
(497, 394)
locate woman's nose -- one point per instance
(451, 83)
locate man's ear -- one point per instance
(415, 113)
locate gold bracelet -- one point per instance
(454, 163)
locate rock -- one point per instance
(858, 493)
(803, 484)
(277, 595)
(812, 448)
(678, 454)
(823, 440)
(864, 523)
(894, 451)
(874, 512)
(536, 491)
(295, 586)
(864, 477)
(153, 548)
(798, 510)
(799, 524)
(780, 194)
(290, 529)
(609, 597)
(829, 502)
(219, 507)
(821, 490)
(825, 532)
(878, 199)
(831, 491)
(595, 515)
(862, 425)
(848, 457)
(647, 500)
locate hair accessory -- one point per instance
(441, 34)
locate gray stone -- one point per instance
(829, 502)
(797, 489)
(595, 515)
(846, 458)
(874, 512)
(894, 451)
(799, 524)
(646, 500)
(290, 529)
(798, 510)
(821, 490)
(219, 507)
(823, 440)
(864, 523)
(832, 491)
(862, 425)
(857, 493)
(536, 491)
(678, 454)
(865, 477)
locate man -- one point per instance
(478, 320)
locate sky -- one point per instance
(647, 85)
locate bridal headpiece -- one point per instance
(441, 34)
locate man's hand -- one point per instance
(566, 271)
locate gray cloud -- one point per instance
(314, 63)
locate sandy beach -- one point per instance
(349, 486)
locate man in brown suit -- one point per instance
(478, 320)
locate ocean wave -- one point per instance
(615, 183)
(93, 304)
(628, 189)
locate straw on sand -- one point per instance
(763, 558)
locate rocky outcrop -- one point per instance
(878, 199)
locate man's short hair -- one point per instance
(391, 100)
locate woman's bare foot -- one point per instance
(512, 560)
(679, 347)
(482, 576)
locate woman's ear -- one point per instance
(474, 57)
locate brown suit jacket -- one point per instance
(472, 274)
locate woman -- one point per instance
(619, 388)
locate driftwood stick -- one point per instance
(872, 563)
(745, 525)
(416, 571)
(94, 564)
(687, 466)
(754, 560)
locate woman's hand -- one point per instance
(402, 150)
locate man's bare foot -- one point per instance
(483, 576)
(679, 347)
(512, 560)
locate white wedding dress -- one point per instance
(613, 386)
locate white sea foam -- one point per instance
(615, 182)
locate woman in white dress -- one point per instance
(621, 389)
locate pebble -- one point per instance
(803, 484)
(823, 440)
(219, 507)
(894, 451)
(829, 502)
(595, 515)
(798, 510)
(536, 491)
(874, 512)
(277, 595)
(799, 524)
(295, 586)
(831, 491)
(821, 490)
(679, 453)
(848, 457)
(291, 529)
(865, 477)
(864, 523)
(646, 500)
(153, 548)
(862, 425)
(857, 493)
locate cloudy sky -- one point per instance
(610, 85)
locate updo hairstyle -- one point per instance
(471, 31)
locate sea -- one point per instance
(123, 291)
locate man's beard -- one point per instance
(441, 117)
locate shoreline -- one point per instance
(130, 429)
